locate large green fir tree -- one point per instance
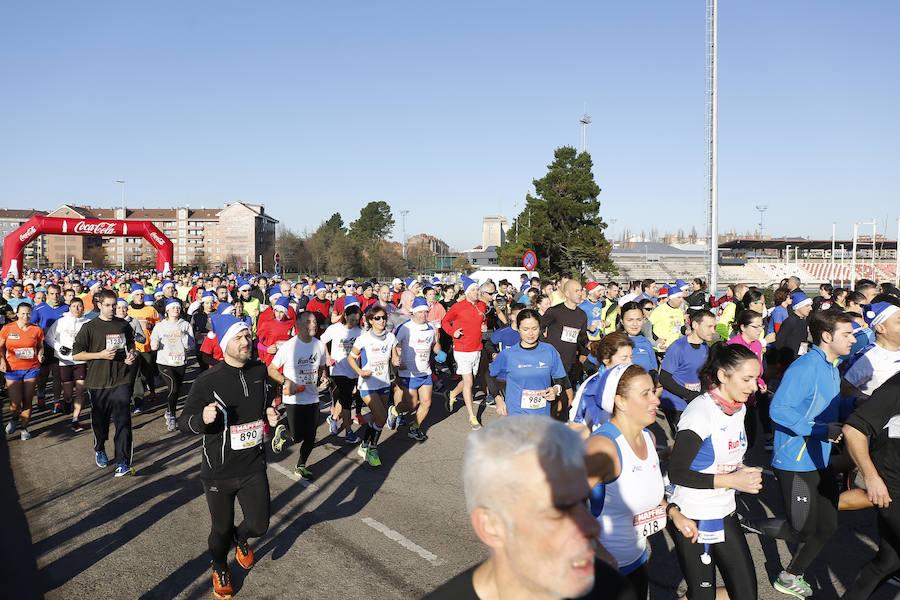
(561, 223)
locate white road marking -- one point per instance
(403, 541)
(290, 475)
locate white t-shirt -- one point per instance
(301, 361)
(375, 355)
(724, 445)
(341, 340)
(415, 343)
(174, 339)
(873, 368)
(62, 335)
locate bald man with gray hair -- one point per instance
(527, 497)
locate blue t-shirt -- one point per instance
(529, 371)
(45, 315)
(15, 302)
(779, 314)
(594, 312)
(505, 338)
(643, 353)
(683, 361)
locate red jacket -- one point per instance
(270, 332)
(469, 317)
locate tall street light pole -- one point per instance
(124, 214)
(403, 214)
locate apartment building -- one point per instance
(231, 237)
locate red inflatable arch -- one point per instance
(15, 242)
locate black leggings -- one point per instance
(887, 561)
(640, 581)
(731, 556)
(173, 377)
(810, 499)
(302, 420)
(252, 491)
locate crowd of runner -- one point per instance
(813, 380)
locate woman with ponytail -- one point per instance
(707, 467)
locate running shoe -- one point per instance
(360, 420)
(417, 434)
(449, 401)
(137, 409)
(361, 450)
(372, 457)
(77, 427)
(243, 554)
(303, 473)
(402, 419)
(489, 400)
(792, 585)
(392, 417)
(124, 469)
(351, 438)
(279, 439)
(222, 584)
(332, 425)
(101, 459)
(473, 422)
(11, 427)
(41, 403)
(170, 421)
(24, 435)
(57, 408)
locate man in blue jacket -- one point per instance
(807, 411)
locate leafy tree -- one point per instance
(375, 222)
(561, 223)
(461, 264)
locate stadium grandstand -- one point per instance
(761, 262)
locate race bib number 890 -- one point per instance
(246, 435)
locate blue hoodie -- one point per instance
(807, 400)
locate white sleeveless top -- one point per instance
(724, 445)
(630, 514)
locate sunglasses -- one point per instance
(378, 318)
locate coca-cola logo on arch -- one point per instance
(28, 233)
(101, 228)
(157, 238)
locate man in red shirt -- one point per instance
(396, 291)
(338, 308)
(319, 305)
(464, 322)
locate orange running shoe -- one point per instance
(243, 554)
(222, 584)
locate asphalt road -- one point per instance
(71, 530)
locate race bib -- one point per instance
(24, 353)
(650, 521)
(115, 341)
(893, 427)
(14, 336)
(533, 399)
(246, 435)
(378, 367)
(710, 531)
(306, 378)
(422, 360)
(569, 334)
(177, 359)
(723, 469)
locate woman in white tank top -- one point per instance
(624, 474)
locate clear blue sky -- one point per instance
(450, 109)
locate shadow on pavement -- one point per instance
(18, 559)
